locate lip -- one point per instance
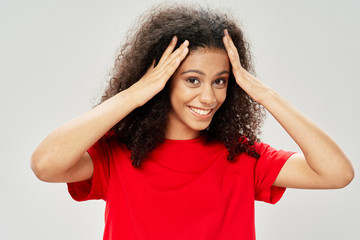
(200, 116)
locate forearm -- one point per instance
(62, 153)
(64, 147)
(323, 164)
(321, 153)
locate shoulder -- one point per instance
(107, 147)
(110, 139)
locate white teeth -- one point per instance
(200, 111)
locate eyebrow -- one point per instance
(201, 73)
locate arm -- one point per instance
(322, 163)
(62, 156)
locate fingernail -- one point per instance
(226, 32)
(186, 43)
(185, 50)
(174, 38)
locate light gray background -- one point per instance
(54, 59)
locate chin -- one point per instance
(200, 126)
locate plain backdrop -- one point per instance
(54, 62)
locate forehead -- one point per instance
(206, 59)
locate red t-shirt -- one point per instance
(185, 189)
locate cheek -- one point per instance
(183, 95)
(221, 96)
(178, 99)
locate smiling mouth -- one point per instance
(200, 111)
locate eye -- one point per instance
(192, 81)
(220, 83)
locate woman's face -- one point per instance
(197, 90)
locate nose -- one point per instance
(207, 97)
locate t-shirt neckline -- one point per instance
(183, 141)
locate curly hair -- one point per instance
(237, 122)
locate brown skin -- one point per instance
(140, 86)
(144, 128)
(199, 85)
(62, 156)
(322, 165)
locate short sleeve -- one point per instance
(267, 169)
(96, 187)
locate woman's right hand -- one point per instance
(62, 156)
(154, 80)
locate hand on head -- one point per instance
(156, 77)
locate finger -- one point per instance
(231, 51)
(168, 50)
(229, 44)
(168, 68)
(170, 65)
(179, 58)
(178, 55)
(229, 39)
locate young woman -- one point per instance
(173, 146)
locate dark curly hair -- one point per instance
(237, 122)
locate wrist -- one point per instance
(129, 97)
(266, 96)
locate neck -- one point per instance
(181, 134)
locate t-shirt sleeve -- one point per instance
(96, 187)
(267, 169)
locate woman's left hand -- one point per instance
(250, 84)
(322, 164)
